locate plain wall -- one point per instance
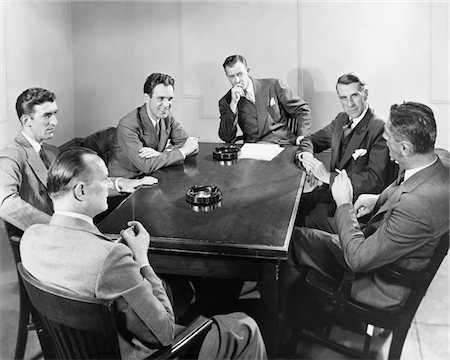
(96, 55)
(36, 51)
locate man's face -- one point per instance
(393, 145)
(352, 98)
(159, 104)
(238, 74)
(97, 188)
(42, 121)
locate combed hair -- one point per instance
(68, 169)
(414, 122)
(29, 98)
(233, 59)
(351, 78)
(156, 79)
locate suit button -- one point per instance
(41, 192)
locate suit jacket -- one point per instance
(72, 255)
(405, 229)
(135, 131)
(23, 184)
(370, 173)
(274, 104)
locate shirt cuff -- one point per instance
(182, 153)
(299, 139)
(119, 187)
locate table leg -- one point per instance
(269, 303)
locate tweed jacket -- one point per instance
(274, 104)
(23, 183)
(72, 255)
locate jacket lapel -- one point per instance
(356, 139)
(336, 139)
(261, 103)
(33, 160)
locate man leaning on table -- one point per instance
(357, 145)
(149, 138)
(261, 107)
(25, 161)
(72, 255)
(407, 220)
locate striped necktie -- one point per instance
(347, 128)
(158, 129)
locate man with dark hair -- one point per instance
(261, 107)
(407, 219)
(72, 255)
(149, 138)
(355, 137)
(24, 163)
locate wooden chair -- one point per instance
(101, 142)
(86, 329)
(334, 300)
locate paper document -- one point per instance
(260, 151)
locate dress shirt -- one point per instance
(250, 91)
(76, 215)
(36, 146)
(154, 122)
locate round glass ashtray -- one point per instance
(226, 152)
(203, 195)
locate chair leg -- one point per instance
(22, 331)
(398, 339)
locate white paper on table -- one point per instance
(260, 151)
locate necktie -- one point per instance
(44, 158)
(347, 128)
(249, 96)
(400, 178)
(157, 128)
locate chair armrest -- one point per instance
(406, 277)
(195, 331)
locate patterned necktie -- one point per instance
(158, 129)
(249, 96)
(44, 158)
(347, 128)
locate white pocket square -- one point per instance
(272, 102)
(358, 153)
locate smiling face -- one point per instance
(238, 74)
(353, 98)
(41, 123)
(159, 104)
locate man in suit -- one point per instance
(357, 145)
(407, 219)
(261, 107)
(24, 163)
(72, 255)
(141, 144)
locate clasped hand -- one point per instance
(138, 240)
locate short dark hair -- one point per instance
(351, 78)
(69, 168)
(156, 79)
(415, 123)
(29, 98)
(233, 59)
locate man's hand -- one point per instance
(365, 203)
(148, 152)
(342, 189)
(236, 93)
(190, 146)
(138, 240)
(129, 185)
(317, 168)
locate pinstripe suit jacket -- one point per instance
(23, 184)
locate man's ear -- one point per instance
(147, 98)
(406, 148)
(25, 120)
(78, 191)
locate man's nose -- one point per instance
(350, 102)
(167, 103)
(53, 120)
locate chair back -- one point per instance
(101, 142)
(79, 329)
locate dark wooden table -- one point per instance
(246, 238)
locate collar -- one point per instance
(357, 120)
(411, 172)
(76, 215)
(36, 146)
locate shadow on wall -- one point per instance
(324, 104)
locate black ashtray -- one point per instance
(226, 152)
(203, 195)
